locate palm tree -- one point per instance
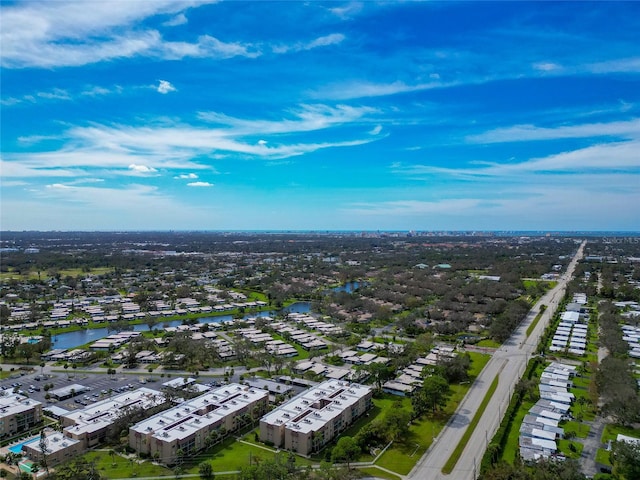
(44, 448)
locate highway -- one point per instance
(509, 362)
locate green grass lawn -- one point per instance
(404, 453)
(488, 343)
(478, 361)
(121, 467)
(377, 473)
(231, 455)
(565, 446)
(455, 456)
(611, 432)
(581, 430)
(71, 272)
(602, 456)
(533, 324)
(512, 445)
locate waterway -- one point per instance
(80, 337)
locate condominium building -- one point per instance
(311, 419)
(183, 430)
(58, 448)
(18, 413)
(92, 424)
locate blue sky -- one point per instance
(140, 115)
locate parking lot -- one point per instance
(100, 386)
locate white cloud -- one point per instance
(165, 87)
(595, 160)
(59, 94)
(96, 91)
(351, 90)
(13, 183)
(145, 150)
(306, 118)
(10, 101)
(546, 66)
(348, 10)
(200, 184)
(324, 41)
(179, 19)
(375, 130)
(414, 207)
(618, 65)
(55, 94)
(142, 169)
(520, 133)
(67, 33)
(186, 176)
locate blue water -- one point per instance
(18, 447)
(349, 287)
(80, 337)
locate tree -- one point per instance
(380, 373)
(456, 369)
(434, 393)
(397, 422)
(44, 448)
(205, 470)
(346, 450)
(626, 459)
(150, 322)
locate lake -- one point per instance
(80, 337)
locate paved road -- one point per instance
(591, 445)
(509, 362)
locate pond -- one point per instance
(349, 287)
(80, 337)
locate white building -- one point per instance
(311, 419)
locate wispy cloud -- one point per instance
(357, 89)
(179, 19)
(59, 94)
(186, 176)
(547, 66)
(375, 130)
(347, 10)
(413, 207)
(595, 159)
(306, 118)
(66, 33)
(522, 133)
(152, 149)
(323, 41)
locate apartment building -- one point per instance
(58, 449)
(183, 430)
(18, 413)
(311, 419)
(92, 424)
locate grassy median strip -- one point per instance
(455, 456)
(535, 322)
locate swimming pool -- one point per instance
(18, 447)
